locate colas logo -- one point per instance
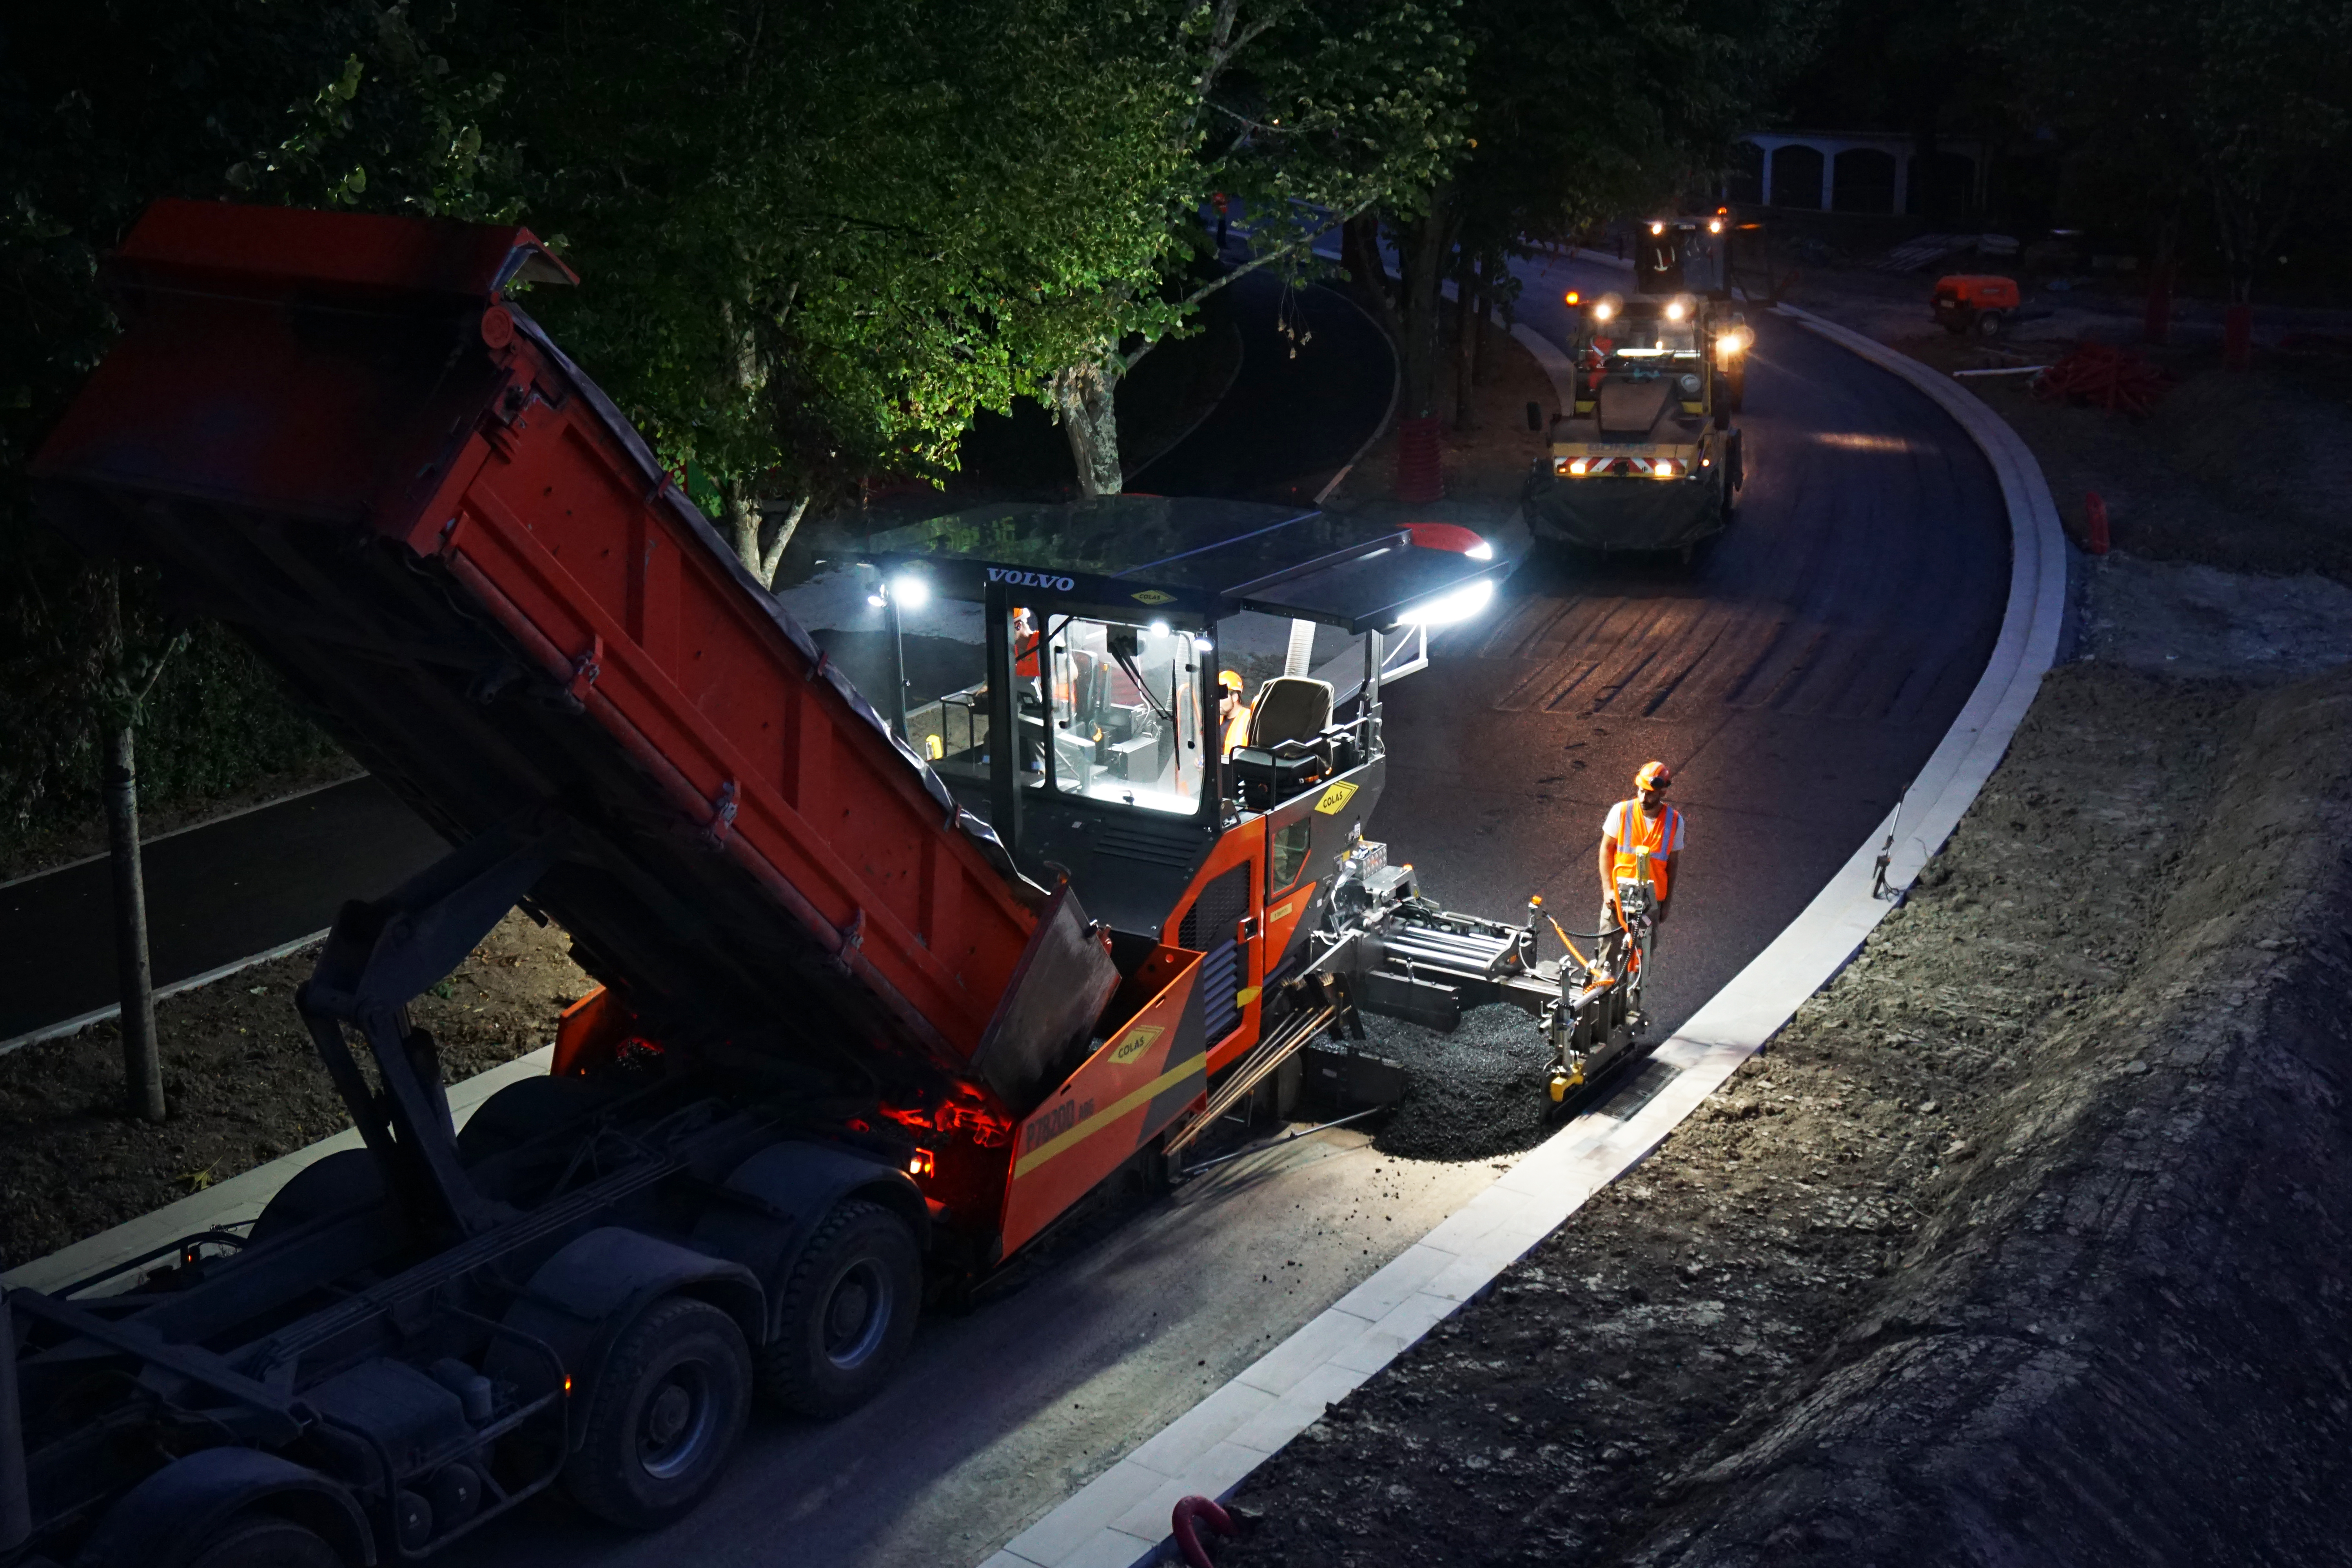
(1031, 578)
(1138, 1041)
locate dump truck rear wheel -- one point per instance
(847, 1313)
(264, 1540)
(668, 1406)
(1987, 323)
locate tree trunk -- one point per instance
(1085, 396)
(1478, 321)
(742, 519)
(773, 555)
(1464, 297)
(1368, 273)
(1423, 248)
(142, 1068)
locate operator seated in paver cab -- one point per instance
(1233, 713)
(1645, 821)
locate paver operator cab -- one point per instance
(1647, 459)
(885, 994)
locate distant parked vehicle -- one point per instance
(1972, 303)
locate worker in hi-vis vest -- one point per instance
(1231, 711)
(1645, 821)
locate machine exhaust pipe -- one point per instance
(16, 1499)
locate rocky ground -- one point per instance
(242, 1083)
(2022, 1243)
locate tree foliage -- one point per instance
(1304, 112)
(819, 236)
(103, 109)
(2243, 106)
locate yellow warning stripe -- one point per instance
(1102, 1119)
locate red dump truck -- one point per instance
(863, 1034)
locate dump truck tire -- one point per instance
(264, 1540)
(345, 1179)
(667, 1412)
(846, 1314)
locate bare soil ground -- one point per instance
(242, 1083)
(2023, 1244)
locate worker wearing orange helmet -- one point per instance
(1645, 821)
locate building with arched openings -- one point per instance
(1855, 172)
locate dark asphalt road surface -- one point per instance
(214, 895)
(1795, 676)
(1292, 419)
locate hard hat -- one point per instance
(1230, 679)
(1653, 776)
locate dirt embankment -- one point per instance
(242, 1083)
(2024, 1245)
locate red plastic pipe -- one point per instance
(1188, 1540)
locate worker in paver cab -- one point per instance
(1645, 821)
(1233, 713)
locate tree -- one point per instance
(2245, 101)
(1307, 112)
(103, 109)
(816, 238)
(1581, 111)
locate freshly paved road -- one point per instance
(1795, 676)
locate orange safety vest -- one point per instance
(1638, 833)
(1237, 727)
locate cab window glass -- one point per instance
(1289, 856)
(1121, 706)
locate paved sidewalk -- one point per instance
(217, 894)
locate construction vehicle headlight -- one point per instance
(1576, 468)
(1446, 609)
(1657, 228)
(1607, 306)
(1729, 345)
(1715, 225)
(1687, 386)
(1668, 468)
(911, 592)
(1676, 311)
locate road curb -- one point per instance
(1120, 1519)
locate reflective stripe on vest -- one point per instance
(1635, 833)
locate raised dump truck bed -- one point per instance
(846, 1053)
(342, 434)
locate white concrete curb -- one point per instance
(239, 1198)
(75, 1026)
(1119, 1519)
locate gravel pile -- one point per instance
(1475, 1092)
